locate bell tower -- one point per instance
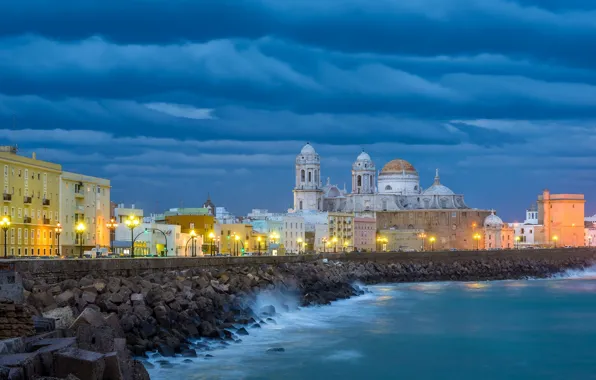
(308, 193)
(363, 175)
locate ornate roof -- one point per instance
(492, 220)
(308, 149)
(363, 157)
(398, 166)
(437, 188)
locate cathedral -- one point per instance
(395, 188)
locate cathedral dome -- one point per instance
(363, 157)
(398, 166)
(493, 221)
(308, 149)
(437, 188)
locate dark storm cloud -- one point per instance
(419, 27)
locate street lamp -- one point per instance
(236, 239)
(132, 222)
(346, 244)
(432, 243)
(299, 241)
(111, 225)
(334, 240)
(5, 224)
(555, 238)
(58, 231)
(259, 245)
(80, 229)
(517, 239)
(212, 237)
(477, 237)
(422, 236)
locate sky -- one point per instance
(172, 100)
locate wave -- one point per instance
(578, 274)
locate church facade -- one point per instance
(396, 187)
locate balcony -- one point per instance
(7, 197)
(79, 193)
(27, 199)
(46, 221)
(27, 219)
(46, 202)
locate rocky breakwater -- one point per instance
(165, 311)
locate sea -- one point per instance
(527, 329)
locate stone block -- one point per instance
(83, 364)
(64, 317)
(98, 339)
(112, 370)
(12, 346)
(30, 363)
(65, 298)
(89, 316)
(113, 321)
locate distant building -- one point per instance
(496, 234)
(210, 206)
(341, 231)
(293, 234)
(562, 216)
(225, 217)
(365, 234)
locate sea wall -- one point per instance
(56, 270)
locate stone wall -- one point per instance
(15, 320)
(53, 271)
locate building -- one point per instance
(155, 239)
(496, 234)
(84, 199)
(225, 217)
(341, 231)
(198, 219)
(321, 236)
(235, 238)
(562, 216)
(450, 229)
(210, 206)
(403, 240)
(31, 197)
(396, 188)
(525, 233)
(293, 234)
(365, 234)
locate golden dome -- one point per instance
(398, 166)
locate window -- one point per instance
(302, 175)
(25, 213)
(20, 212)
(12, 212)
(38, 214)
(6, 170)
(98, 190)
(388, 187)
(38, 234)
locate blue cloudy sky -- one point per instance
(173, 99)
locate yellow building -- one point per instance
(235, 237)
(31, 197)
(341, 231)
(84, 199)
(562, 216)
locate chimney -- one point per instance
(34, 156)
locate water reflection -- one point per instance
(476, 285)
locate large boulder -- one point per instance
(207, 330)
(63, 316)
(89, 316)
(83, 364)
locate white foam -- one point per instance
(344, 356)
(578, 274)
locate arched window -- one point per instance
(359, 180)
(302, 175)
(416, 187)
(387, 187)
(300, 205)
(309, 176)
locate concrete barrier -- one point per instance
(61, 269)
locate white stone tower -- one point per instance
(363, 175)
(308, 193)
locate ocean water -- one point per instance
(531, 329)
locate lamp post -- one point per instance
(299, 241)
(346, 245)
(132, 222)
(334, 241)
(259, 245)
(5, 224)
(422, 236)
(80, 229)
(324, 240)
(111, 225)
(555, 238)
(58, 231)
(212, 237)
(236, 239)
(517, 239)
(477, 237)
(432, 243)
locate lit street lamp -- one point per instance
(5, 224)
(212, 237)
(132, 222)
(382, 241)
(346, 245)
(555, 238)
(58, 231)
(334, 240)
(517, 239)
(236, 239)
(422, 236)
(299, 241)
(193, 244)
(259, 245)
(111, 225)
(477, 237)
(80, 229)
(432, 243)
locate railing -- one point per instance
(27, 219)
(46, 202)
(46, 221)
(27, 199)
(7, 197)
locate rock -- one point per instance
(168, 297)
(276, 349)
(189, 353)
(137, 297)
(153, 296)
(69, 284)
(256, 326)
(144, 312)
(116, 298)
(88, 296)
(165, 350)
(208, 356)
(207, 330)
(242, 331)
(268, 310)
(83, 364)
(114, 285)
(89, 316)
(63, 316)
(187, 361)
(99, 286)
